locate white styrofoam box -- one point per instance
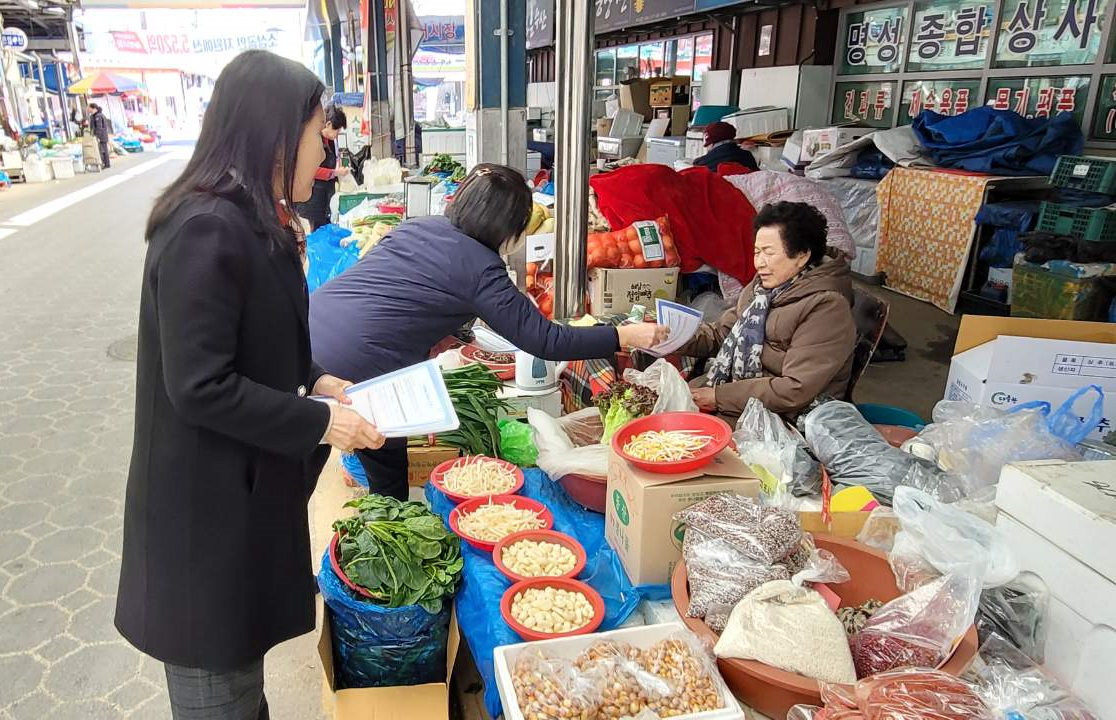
(1010, 370)
(795, 87)
(758, 121)
(716, 87)
(641, 637)
(11, 159)
(63, 168)
(37, 171)
(695, 144)
(1073, 505)
(665, 150)
(542, 95)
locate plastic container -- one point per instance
(1092, 224)
(1038, 292)
(772, 691)
(551, 536)
(517, 500)
(890, 415)
(438, 476)
(719, 430)
(1091, 174)
(589, 491)
(644, 637)
(335, 563)
(526, 633)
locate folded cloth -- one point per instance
(998, 142)
(710, 219)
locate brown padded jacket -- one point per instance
(808, 348)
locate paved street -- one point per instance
(69, 285)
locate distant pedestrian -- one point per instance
(316, 210)
(100, 126)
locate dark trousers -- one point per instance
(316, 209)
(386, 469)
(197, 694)
(103, 144)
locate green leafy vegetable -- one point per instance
(400, 552)
(622, 403)
(472, 389)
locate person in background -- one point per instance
(428, 278)
(791, 336)
(720, 141)
(316, 209)
(101, 127)
(216, 567)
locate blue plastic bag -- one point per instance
(351, 463)
(328, 258)
(1064, 422)
(375, 646)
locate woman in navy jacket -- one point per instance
(428, 278)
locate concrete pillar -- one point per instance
(335, 57)
(496, 124)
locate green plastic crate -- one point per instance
(1040, 293)
(1092, 174)
(1093, 224)
(348, 201)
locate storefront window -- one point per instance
(651, 58)
(945, 97)
(874, 41)
(1040, 96)
(627, 63)
(684, 57)
(703, 55)
(867, 103)
(606, 68)
(950, 35)
(1104, 119)
(1039, 33)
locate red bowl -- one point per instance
(710, 425)
(504, 371)
(517, 500)
(539, 535)
(589, 491)
(438, 477)
(335, 563)
(526, 633)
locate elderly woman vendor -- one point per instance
(791, 335)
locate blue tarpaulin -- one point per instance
(482, 584)
(999, 142)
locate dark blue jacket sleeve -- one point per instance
(508, 311)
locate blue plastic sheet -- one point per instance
(1009, 219)
(326, 256)
(351, 463)
(482, 586)
(375, 646)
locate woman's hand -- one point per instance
(343, 171)
(333, 387)
(705, 398)
(642, 335)
(350, 431)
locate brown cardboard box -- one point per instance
(422, 459)
(668, 91)
(615, 291)
(843, 524)
(641, 505)
(634, 96)
(430, 701)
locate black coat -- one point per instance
(216, 562)
(100, 125)
(729, 152)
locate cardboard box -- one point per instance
(615, 291)
(1000, 362)
(422, 459)
(639, 521)
(430, 701)
(635, 95)
(816, 143)
(842, 524)
(670, 91)
(677, 117)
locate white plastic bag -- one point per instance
(664, 378)
(778, 456)
(558, 456)
(378, 173)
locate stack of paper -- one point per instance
(407, 402)
(682, 321)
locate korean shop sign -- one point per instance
(950, 35)
(945, 97)
(1104, 121)
(1040, 97)
(874, 41)
(865, 103)
(1036, 33)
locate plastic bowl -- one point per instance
(772, 691)
(544, 535)
(706, 424)
(589, 491)
(890, 415)
(518, 501)
(504, 371)
(335, 563)
(438, 477)
(526, 633)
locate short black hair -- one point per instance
(335, 116)
(802, 228)
(94, 106)
(492, 205)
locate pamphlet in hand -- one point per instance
(682, 321)
(407, 402)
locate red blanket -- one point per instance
(711, 220)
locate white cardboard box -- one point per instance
(805, 146)
(644, 637)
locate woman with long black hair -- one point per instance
(228, 445)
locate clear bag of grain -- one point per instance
(765, 534)
(720, 576)
(550, 688)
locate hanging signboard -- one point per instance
(1104, 119)
(874, 41)
(1038, 33)
(865, 103)
(945, 97)
(950, 35)
(612, 15)
(1040, 97)
(13, 38)
(644, 11)
(442, 30)
(540, 23)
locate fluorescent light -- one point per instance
(30, 4)
(54, 11)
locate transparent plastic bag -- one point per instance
(918, 629)
(548, 688)
(720, 576)
(952, 540)
(879, 529)
(765, 534)
(664, 379)
(558, 456)
(778, 456)
(911, 570)
(1016, 612)
(583, 427)
(912, 693)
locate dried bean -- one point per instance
(721, 576)
(765, 534)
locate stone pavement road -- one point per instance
(69, 286)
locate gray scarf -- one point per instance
(741, 352)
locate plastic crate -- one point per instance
(1041, 293)
(1092, 174)
(1093, 224)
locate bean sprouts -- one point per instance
(666, 445)
(478, 477)
(492, 522)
